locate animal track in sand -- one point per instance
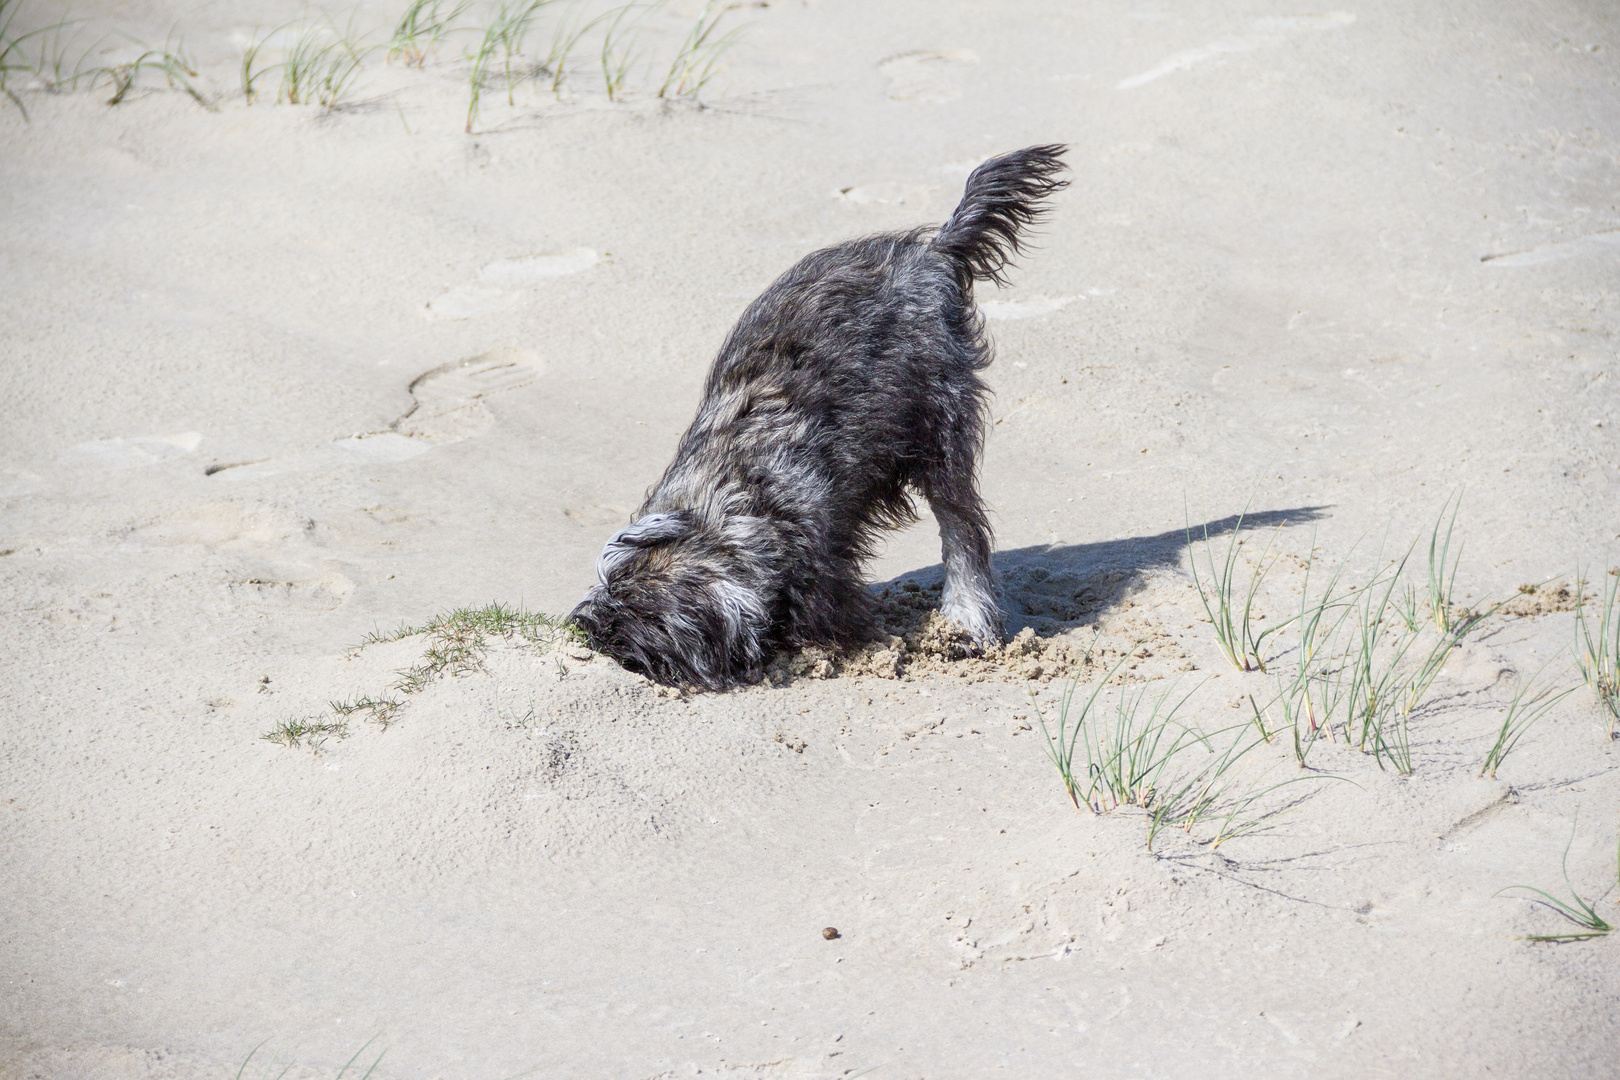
(885, 192)
(1031, 307)
(448, 405)
(503, 284)
(315, 596)
(133, 453)
(1603, 243)
(449, 400)
(927, 76)
(1263, 32)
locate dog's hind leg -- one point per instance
(969, 597)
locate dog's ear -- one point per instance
(644, 532)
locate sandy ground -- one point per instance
(275, 378)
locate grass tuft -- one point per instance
(1217, 588)
(1529, 704)
(1577, 909)
(1443, 564)
(505, 35)
(295, 731)
(320, 67)
(618, 54)
(698, 59)
(170, 61)
(378, 710)
(423, 28)
(456, 643)
(1597, 643)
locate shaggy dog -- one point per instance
(849, 384)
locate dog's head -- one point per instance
(677, 602)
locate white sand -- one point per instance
(1351, 261)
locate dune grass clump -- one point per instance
(457, 641)
(698, 58)
(423, 28)
(1233, 618)
(505, 35)
(54, 63)
(170, 61)
(1366, 655)
(619, 52)
(1597, 643)
(1139, 754)
(1107, 765)
(320, 67)
(1577, 910)
(315, 730)
(1530, 703)
(265, 1072)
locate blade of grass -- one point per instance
(1580, 911)
(1525, 709)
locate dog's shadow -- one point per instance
(1056, 588)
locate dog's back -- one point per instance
(852, 360)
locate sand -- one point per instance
(277, 377)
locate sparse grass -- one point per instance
(378, 710)
(295, 731)
(1218, 792)
(1443, 564)
(14, 50)
(1060, 747)
(1529, 704)
(456, 643)
(565, 37)
(699, 56)
(320, 67)
(1375, 676)
(1597, 643)
(619, 54)
(1234, 624)
(171, 61)
(1577, 909)
(1365, 659)
(1311, 692)
(505, 35)
(1137, 756)
(252, 70)
(1121, 761)
(423, 28)
(43, 54)
(264, 1074)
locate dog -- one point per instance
(849, 384)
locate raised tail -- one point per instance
(1002, 197)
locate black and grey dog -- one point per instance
(849, 384)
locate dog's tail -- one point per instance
(1002, 197)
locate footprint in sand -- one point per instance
(885, 193)
(1262, 32)
(504, 284)
(1603, 243)
(133, 453)
(927, 76)
(448, 405)
(313, 596)
(1031, 307)
(449, 400)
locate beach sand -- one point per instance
(277, 378)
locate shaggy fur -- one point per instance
(849, 384)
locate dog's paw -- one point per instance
(980, 622)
